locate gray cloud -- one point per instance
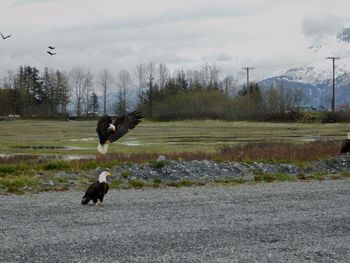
(321, 26)
(115, 34)
(27, 2)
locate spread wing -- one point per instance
(125, 123)
(102, 128)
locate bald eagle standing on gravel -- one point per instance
(96, 191)
(345, 148)
(109, 130)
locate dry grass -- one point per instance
(281, 151)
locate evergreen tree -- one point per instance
(149, 96)
(63, 91)
(94, 103)
(181, 80)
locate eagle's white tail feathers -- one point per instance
(102, 148)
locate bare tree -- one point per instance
(163, 75)
(124, 83)
(205, 75)
(141, 75)
(213, 75)
(81, 81)
(230, 85)
(194, 78)
(9, 80)
(105, 80)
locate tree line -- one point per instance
(29, 92)
(202, 95)
(161, 94)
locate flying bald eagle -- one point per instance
(109, 130)
(96, 191)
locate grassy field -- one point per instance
(79, 137)
(188, 140)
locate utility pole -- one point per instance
(247, 69)
(333, 97)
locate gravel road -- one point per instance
(267, 222)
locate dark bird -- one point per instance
(4, 37)
(51, 47)
(51, 53)
(109, 130)
(345, 147)
(97, 190)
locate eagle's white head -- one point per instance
(111, 127)
(103, 177)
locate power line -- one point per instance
(333, 97)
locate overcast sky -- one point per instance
(270, 35)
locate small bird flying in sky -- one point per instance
(51, 53)
(51, 47)
(3, 37)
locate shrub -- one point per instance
(135, 183)
(159, 164)
(56, 165)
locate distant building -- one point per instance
(343, 108)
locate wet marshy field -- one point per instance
(78, 139)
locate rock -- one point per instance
(161, 158)
(27, 188)
(51, 183)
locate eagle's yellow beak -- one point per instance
(109, 174)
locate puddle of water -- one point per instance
(131, 143)
(46, 157)
(88, 139)
(67, 157)
(310, 139)
(48, 147)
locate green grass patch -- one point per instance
(136, 183)
(281, 177)
(302, 176)
(14, 169)
(159, 164)
(185, 183)
(230, 181)
(264, 177)
(115, 183)
(8, 169)
(16, 184)
(56, 165)
(320, 176)
(156, 182)
(62, 179)
(345, 174)
(125, 174)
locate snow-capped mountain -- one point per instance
(315, 80)
(344, 35)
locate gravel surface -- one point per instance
(266, 222)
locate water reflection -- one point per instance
(48, 147)
(27, 157)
